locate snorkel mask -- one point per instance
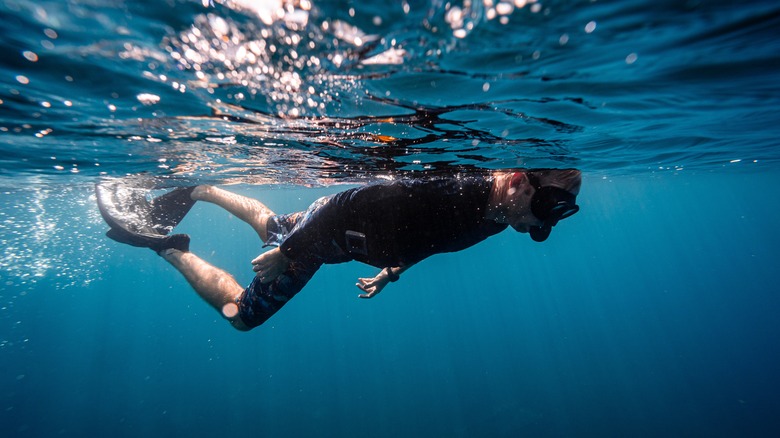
(549, 204)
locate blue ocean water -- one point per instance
(652, 312)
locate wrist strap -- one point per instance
(392, 276)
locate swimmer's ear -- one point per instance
(517, 179)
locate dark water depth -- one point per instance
(652, 313)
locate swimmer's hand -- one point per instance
(270, 265)
(372, 286)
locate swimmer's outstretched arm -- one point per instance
(372, 286)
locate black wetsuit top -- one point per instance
(402, 221)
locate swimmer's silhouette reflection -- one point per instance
(391, 225)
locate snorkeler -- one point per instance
(390, 225)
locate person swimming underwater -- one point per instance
(390, 225)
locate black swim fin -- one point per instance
(169, 209)
(155, 242)
(136, 221)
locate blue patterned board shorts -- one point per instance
(260, 301)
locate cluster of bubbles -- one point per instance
(48, 234)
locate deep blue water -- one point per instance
(652, 312)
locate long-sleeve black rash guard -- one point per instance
(403, 221)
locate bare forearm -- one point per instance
(372, 286)
(393, 273)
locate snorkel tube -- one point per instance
(550, 204)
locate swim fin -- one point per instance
(169, 209)
(137, 221)
(155, 242)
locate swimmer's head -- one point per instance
(553, 199)
(566, 179)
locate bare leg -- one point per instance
(248, 210)
(215, 286)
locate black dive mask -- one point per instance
(549, 204)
